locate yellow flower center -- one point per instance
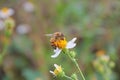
(5, 10)
(60, 43)
(100, 53)
(58, 70)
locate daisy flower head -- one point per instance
(59, 43)
(57, 71)
(23, 29)
(9, 26)
(28, 7)
(100, 53)
(6, 12)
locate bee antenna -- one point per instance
(48, 34)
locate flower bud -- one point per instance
(58, 71)
(9, 26)
(74, 77)
(72, 54)
(96, 63)
(101, 68)
(112, 64)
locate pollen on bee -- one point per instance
(58, 40)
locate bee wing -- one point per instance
(48, 35)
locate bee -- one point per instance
(55, 37)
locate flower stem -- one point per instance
(74, 60)
(3, 53)
(68, 77)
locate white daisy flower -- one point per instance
(57, 71)
(6, 12)
(28, 6)
(23, 29)
(67, 45)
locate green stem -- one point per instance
(74, 60)
(106, 74)
(3, 54)
(68, 77)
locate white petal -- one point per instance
(56, 66)
(71, 44)
(52, 72)
(57, 52)
(74, 39)
(11, 12)
(3, 15)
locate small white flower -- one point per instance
(57, 70)
(6, 12)
(70, 44)
(23, 29)
(28, 6)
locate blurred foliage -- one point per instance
(95, 23)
